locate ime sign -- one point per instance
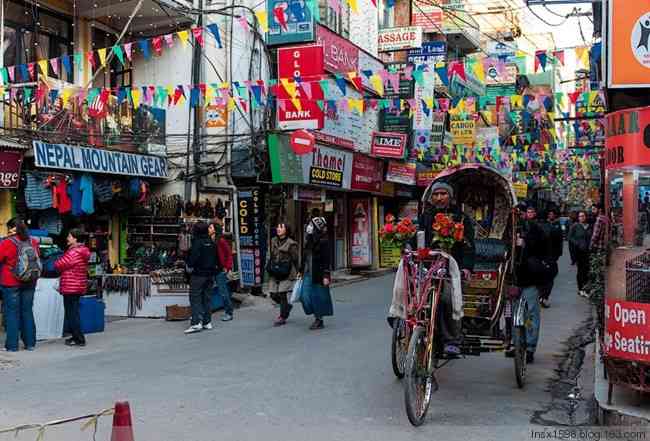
(388, 144)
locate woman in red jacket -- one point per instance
(73, 266)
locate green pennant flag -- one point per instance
(418, 76)
(27, 95)
(92, 93)
(325, 85)
(321, 105)
(117, 50)
(78, 62)
(5, 76)
(314, 9)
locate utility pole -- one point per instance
(196, 129)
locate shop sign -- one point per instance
(10, 165)
(388, 145)
(325, 166)
(507, 76)
(300, 62)
(251, 266)
(297, 28)
(341, 56)
(463, 131)
(307, 194)
(628, 138)
(367, 173)
(431, 52)
(390, 255)
(397, 39)
(405, 192)
(520, 189)
(401, 172)
(425, 177)
(628, 48)
(216, 117)
(361, 247)
(501, 50)
(427, 16)
(249, 211)
(627, 330)
(85, 159)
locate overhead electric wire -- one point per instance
(545, 22)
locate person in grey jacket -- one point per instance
(284, 250)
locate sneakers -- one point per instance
(452, 350)
(583, 293)
(546, 303)
(73, 342)
(530, 357)
(226, 317)
(318, 324)
(279, 321)
(207, 326)
(510, 351)
(194, 328)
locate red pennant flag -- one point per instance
(55, 65)
(31, 68)
(559, 56)
(104, 95)
(278, 13)
(202, 88)
(40, 93)
(573, 96)
(90, 56)
(198, 35)
(456, 68)
(156, 42)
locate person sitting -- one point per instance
(463, 252)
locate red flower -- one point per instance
(445, 232)
(388, 228)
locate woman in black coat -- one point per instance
(316, 298)
(579, 238)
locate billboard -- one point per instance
(628, 48)
(397, 39)
(289, 22)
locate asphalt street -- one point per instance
(246, 380)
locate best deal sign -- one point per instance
(627, 332)
(397, 39)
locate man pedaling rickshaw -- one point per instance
(463, 252)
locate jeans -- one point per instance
(221, 288)
(19, 317)
(449, 328)
(531, 295)
(285, 306)
(72, 318)
(200, 289)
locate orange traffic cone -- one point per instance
(122, 425)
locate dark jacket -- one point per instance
(579, 240)
(203, 259)
(462, 252)
(320, 263)
(537, 250)
(554, 232)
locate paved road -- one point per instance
(246, 380)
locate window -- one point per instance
(337, 21)
(33, 34)
(386, 15)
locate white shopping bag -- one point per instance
(296, 294)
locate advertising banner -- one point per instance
(521, 189)
(397, 39)
(10, 166)
(396, 120)
(341, 56)
(427, 16)
(300, 62)
(325, 167)
(628, 138)
(506, 76)
(367, 173)
(297, 28)
(627, 330)
(425, 177)
(430, 53)
(463, 131)
(251, 266)
(628, 48)
(86, 159)
(250, 218)
(361, 244)
(388, 145)
(401, 172)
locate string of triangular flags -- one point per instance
(582, 54)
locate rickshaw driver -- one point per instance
(463, 252)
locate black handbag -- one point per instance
(541, 270)
(279, 270)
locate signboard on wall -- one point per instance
(398, 39)
(431, 52)
(627, 330)
(10, 166)
(297, 28)
(361, 244)
(341, 56)
(401, 172)
(250, 219)
(367, 173)
(463, 131)
(628, 48)
(388, 145)
(397, 120)
(427, 16)
(300, 61)
(628, 138)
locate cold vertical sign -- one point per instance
(250, 213)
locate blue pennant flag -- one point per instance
(215, 31)
(144, 47)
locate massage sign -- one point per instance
(328, 167)
(388, 145)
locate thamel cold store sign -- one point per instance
(91, 160)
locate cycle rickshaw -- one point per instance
(488, 199)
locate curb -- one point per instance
(362, 277)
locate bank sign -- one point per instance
(91, 160)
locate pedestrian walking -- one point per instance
(536, 266)
(73, 267)
(283, 266)
(21, 268)
(553, 229)
(579, 240)
(202, 267)
(316, 297)
(224, 266)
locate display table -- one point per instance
(48, 309)
(135, 295)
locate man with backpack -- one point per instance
(21, 268)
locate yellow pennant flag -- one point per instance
(479, 71)
(517, 101)
(354, 6)
(289, 86)
(582, 56)
(297, 104)
(487, 115)
(356, 104)
(429, 102)
(102, 56)
(65, 96)
(461, 105)
(184, 36)
(231, 104)
(170, 91)
(377, 84)
(43, 66)
(135, 94)
(263, 18)
(209, 93)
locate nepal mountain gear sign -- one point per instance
(86, 159)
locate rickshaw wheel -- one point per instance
(399, 348)
(519, 337)
(418, 385)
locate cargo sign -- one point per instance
(289, 22)
(627, 330)
(388, 145)
(92, 160)
(463, 131)
(397, 39)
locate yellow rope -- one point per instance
(92, 421)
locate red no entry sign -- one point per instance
(302, 142)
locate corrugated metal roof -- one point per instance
(8, 143)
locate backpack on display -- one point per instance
(28, 265)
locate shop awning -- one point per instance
(9, 144)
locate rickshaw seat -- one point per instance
(490, 251)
